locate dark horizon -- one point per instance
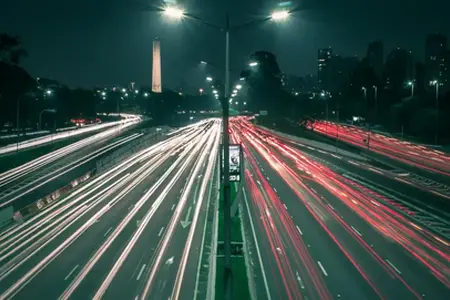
(109, 42)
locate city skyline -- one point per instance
(123, 34)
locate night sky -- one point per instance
(105, 42)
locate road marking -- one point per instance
(299, 230)
(161, 231)
(300, 281)
(263, 271)
(140, 272)
(336, 156)
(170, 260)
(322, 268)
(173, 206)
(314, 190)
(71, 272)
(330, 206)
(275, 190)
(356, 230)
(376, 171)
(285, 206)
(353, 163)
(131, 207)
(108, 231)
(393, 267)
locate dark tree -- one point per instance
(11, 50)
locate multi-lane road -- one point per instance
(318, 224)
(406, 152)
(136, 231)
(35, 179)
(322, 225)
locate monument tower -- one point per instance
(156, 74)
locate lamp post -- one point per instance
(367, 117)
(177, 13)
(411, 84)
(375, 95)
(436, 136)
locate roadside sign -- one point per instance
(235, 162)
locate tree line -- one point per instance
(23, 97)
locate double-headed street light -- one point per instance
(174, 12)
(178, 13)
(280, 15)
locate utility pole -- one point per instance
(226, 173)
(436, 139)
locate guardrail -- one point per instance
(46, 201)
(150, 136)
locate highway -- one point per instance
(35, 179)
(39, 141)
(406, 152)
(323, 225)
(135, 231)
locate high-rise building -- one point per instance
(435, 52)
(340, 70)
(399, 69)
(156, 74)
(375, 57)
(324, 72)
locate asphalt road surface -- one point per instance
(46, 174)
(409, 153)
(135, 231)
(320, 225)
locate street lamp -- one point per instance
(375, 95)
(124, 90)
(411, 84)
(178, 13)
(238, 86)
(209, 79)
(215, 92)
(173, 12)
(48, 92)
(253, 64)
(367, 117)
(280, 15)
(436, 84)
(145, 94)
